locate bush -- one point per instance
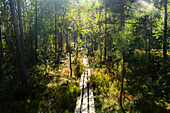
(78, 69)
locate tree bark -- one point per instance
(123, 66)
(61, 40)
(21, 28)
(146, 41)
(70, 63)
(149, 48)
(74, 35)
(95, 39)
(0, 51)
(55, 28)
(122, 85)
(92, 39)
(36, 32)
(105, 34)
(165, 31)
(19, 47)
(100, 40)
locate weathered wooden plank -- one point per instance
(89, 73)
(79, 99)
(91, 101)
(85, 96)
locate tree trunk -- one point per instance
(31, 40)
(55, 28)
(67, 44)
(74, 36)
(105, 34)
(19, 47)
(123, 66)
(61, 40)
(149, 48)
(70, 63)
(146, 42)
(95, 38)
(36, 32)
(70, 52)
(100, 37)
(21, 28)
(0, 51)
(92, 40)
(13, 42)
(58, 31)
(122, 85)
(165, 31)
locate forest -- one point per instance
(47, 47)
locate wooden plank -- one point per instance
(79, 99)
(91, 101)
(89, 73)
(83, 100)
(78, 105)
(91, 97)
(85, 96)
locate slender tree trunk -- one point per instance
(123, 66)
(0, 51)
(36, 31)
(61, 41)
(58, 31)
(55, 28)
(19, 47)
(31, 40)
(95, 38)
(146, 41)
(149, 48)
(21, 28)
(165, 31)
(122, 85)
(92, 40)
(13, 42)
(105, 43)
(67, 47)
(74, 36)
(77, 47)
(70, 52)
(100, 37)
(70, 64)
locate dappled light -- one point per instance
(84, 56)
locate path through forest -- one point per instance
(85, 102)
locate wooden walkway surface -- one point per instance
(85, 102)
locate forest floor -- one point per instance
(54, 90)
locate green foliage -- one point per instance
(47, 93)
(78, 69)
(147, 81)
(106, 90)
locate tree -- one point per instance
(100, 40)
(21, 27)
(165, 31)
(55, 27)
(0, 50)
(105, 43)
(36, 30)
(19, 46)
(123, 65)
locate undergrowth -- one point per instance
(145, 88)
(51, 89)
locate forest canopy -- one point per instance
(43, 44)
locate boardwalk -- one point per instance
(85, 102)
